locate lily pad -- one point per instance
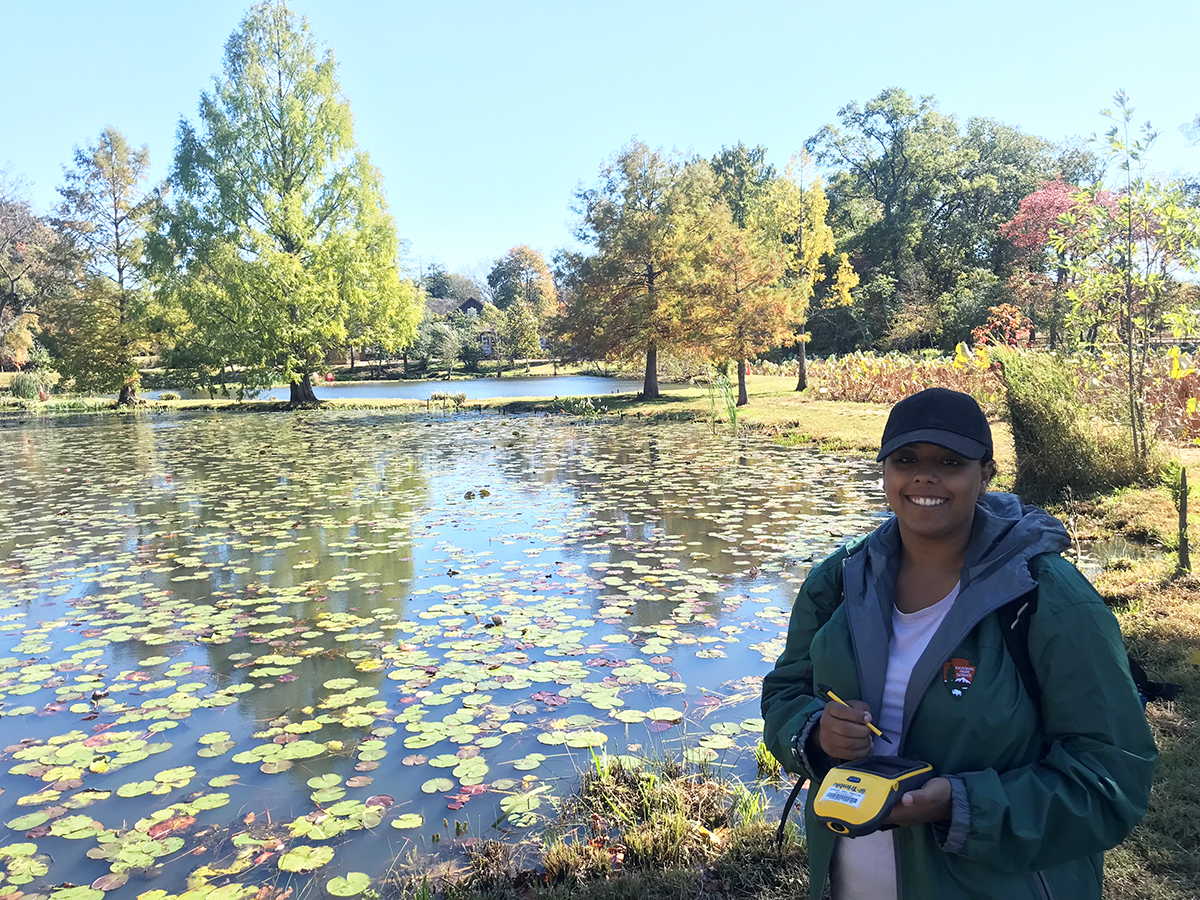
(305, 859)
(408, 820)
(351, 885)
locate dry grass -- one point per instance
(1160, 618)
(636, 834)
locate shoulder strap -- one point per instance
(1015, 617)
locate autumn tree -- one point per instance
(523, 275)
(106, 207)
(632, 292)
(747, 309)
(277, 235)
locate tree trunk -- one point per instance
(802, 365)
(743, 397)
(405, 357)
(301, 393)
(351, 348)
(650, 383)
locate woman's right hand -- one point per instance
(842, 730)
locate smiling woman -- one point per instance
(882, 618)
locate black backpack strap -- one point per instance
(787, 808)
(1152, 690)
(1015, 617)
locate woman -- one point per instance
(1027, 799)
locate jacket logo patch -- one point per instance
(957, 675)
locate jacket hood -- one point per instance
(1005, 537)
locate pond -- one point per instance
(475, 388)
(239, 647)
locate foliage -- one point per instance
(644, 225)
(278, 238)
(1060, 442)
(748, 310)
(1128, 257)
(35, 266)
(741, 174)
(886, 378)
(440, 284)
(522, 275)
(917, 203)
(105, 210)
(1006, 326)
(518, 332)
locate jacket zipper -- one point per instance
(1043, 886)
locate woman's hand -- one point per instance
(842, 730)
(929, 803)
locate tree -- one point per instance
(1039, 216)
(1128, 255)
(519, 332)
(104, 213)
(34, 264)
(749, 309)
(634, 291)
(440, 284)
(741, 175)
(522, 275)
(917, 203)
(278, 235)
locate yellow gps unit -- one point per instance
(856, 797)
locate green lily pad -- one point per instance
(24, 823)
(351, 885)
(437, 786)
(305, 859)
(408, 820)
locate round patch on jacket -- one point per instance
(957, 675)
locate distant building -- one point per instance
(443, 306)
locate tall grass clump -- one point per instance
(1062, 443)
(25, 385)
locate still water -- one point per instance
(475, 389)
(304, 639)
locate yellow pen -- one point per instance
(836, 699)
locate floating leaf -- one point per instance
(352, 884)
(305, 859)
(408, 820)
(437, 785)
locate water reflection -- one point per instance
(482, 587)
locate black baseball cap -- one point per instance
(939, 416)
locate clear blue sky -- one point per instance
(485, 116)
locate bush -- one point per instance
(168, 395)
(25, 385)
(1059, 442)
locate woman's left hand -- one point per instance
(929, 803)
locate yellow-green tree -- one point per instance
(105, 210)
(792, 212)
(277, 241)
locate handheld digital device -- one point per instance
(856, 797)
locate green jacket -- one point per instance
(1038, 795)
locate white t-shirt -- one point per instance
(864, 868)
